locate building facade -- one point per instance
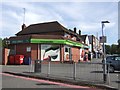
(47, 41)
(95, 46)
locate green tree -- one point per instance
(107, 49)
(119, 50)
(119, 43)
(4, 43)
(0, 42)
(114, 49)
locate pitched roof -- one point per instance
(41, 28)
(90, 39)
(36, 36)
(83, 37)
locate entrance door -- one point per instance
(67, 53)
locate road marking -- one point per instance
(50, 82)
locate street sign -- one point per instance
(103, 39)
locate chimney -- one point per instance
(74, 29)
(23, 26)
(79, 32)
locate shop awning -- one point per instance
(50, 41)
(58, 41)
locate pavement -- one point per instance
(24, 70)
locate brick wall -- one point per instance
(54, 33)
(35, 54)
(5, 54)
(34, 51)
(22, 49)
(62, 53)
(75, 54)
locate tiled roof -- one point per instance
(42, 28)
(83, 37)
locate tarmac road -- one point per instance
(87, 72)
(13, 81)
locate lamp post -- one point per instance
(104, 59)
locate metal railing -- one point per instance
(86, 72)
(91, 72)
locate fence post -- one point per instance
(108, 74)
(118, 79)
(48, 68)
(104, 71)
(74, 70)
(31, 67)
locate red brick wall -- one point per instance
(34, 51)
(75, 54)
(21, 49)
(62, 53)
(5, 54)
(54, 33)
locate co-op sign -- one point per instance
(18, 41)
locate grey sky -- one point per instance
(86, 16)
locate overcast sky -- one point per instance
(86, 16)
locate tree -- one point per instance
(119, 43)
(0, 42)
(114, 49)
(107, 49)
(119, 50)
(5, 43)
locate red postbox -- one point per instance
(19, 59)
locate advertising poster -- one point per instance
(50, 51)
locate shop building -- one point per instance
(49, 40)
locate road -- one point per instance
(12, 81)
(84, 72)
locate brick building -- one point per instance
(45, 40)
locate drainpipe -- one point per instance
(15, 49)
(38, 52)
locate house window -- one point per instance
(28, 49)
(67, 35)
(66, 49)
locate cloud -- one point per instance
(62, 0)
(86, 16)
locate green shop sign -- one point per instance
(19, 41)
(58, 41)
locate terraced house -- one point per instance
(49, 40)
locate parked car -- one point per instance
(113, 63)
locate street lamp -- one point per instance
(104, 59)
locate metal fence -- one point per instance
(89, 72)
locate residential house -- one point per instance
(95, 46)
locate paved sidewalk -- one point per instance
(24, 70)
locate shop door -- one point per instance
(67, 53)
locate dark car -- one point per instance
(113, 63)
